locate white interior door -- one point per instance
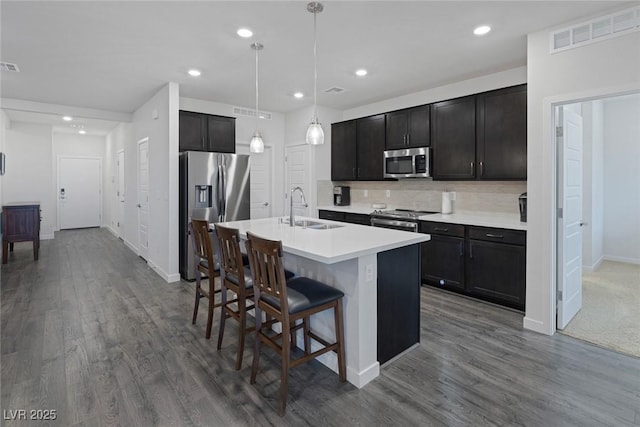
(143, 197)
(570, 221)
(297, 175)
(120, 194)
(261, 184)
(79, 192)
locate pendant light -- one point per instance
(315, 134)
(256, 145)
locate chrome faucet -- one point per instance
(292, 218)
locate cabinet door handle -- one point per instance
(408, 139)
(354, 172)
(495, 236)
(358, 171)
(470, 250)
(471, 167)
(481, 168)
(404, 139)
(461, 249)
(441, 229)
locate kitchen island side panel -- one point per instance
(398, 301)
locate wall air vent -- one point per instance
(334, 89)
(247, 112)
(595, 30)
(7, 66)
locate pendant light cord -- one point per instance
(257, 111)
(315, 69)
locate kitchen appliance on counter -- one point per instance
(522, 202)
(215, 187)
(397, 219)
(341, 195)
(409, 163)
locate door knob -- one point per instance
(266, 204)
(582, 224)
(139, 205)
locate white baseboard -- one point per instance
(622, 259)
(47, 236)
(536, 326)
(594, 267)
(169, 278)
(112, 230)
(131, 246)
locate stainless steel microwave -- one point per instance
(409, 163)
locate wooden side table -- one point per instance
(20, 223)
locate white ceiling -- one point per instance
(114, 55)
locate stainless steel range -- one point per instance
(397, 219)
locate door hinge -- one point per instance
(559, 212)
(559, 295)
(559, 131)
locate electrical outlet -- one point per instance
(366, 193)
(388, 193)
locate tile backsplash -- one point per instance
(481, 196)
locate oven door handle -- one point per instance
(380, 222)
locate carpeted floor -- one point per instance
(610, 315)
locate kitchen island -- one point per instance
(378, 270)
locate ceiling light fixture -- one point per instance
(361, 72)
(194, 72)
(245, 32)
(482, 30)
(298, 95)
(67, 118)
(315, 134)
(82, 132)
(257, 144)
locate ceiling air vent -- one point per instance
(602, 28)
(334, 89)
(247, 112)
(7, 66)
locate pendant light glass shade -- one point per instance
(315, 134)
(257, 144)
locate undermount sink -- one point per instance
(314, 225)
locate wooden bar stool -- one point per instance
(235, 277)
(204, 265)
(287, 302)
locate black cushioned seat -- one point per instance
(304, 293)
(248, 281)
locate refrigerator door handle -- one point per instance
(220, 191)
(223, 193)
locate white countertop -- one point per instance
(329, 246)
(481, 219)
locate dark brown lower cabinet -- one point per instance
(353, 218)
(486, 263)
(496, 271)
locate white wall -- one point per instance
(297, 123)
(157, 120)
(4, 123)
(273, 134)
(116, 140)
(622, 179)
(592, 180)
(75, 145)
(607, 67)
(499, 80)
(29, 173)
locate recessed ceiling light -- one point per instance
(298, 95)
(82, 132)
(245, 32)
(67, 118)
(361, 72)
(194, 73)
(482, 30)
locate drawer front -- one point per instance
(441, 228)
(332, 215)
(501, 235)
(361, 219)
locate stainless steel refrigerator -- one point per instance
(215, 187)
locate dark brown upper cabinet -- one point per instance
(343, 151)
(453, 138)
(370, 136)
(408, 128)
(502, 134)
(357, 147)
(206, 132)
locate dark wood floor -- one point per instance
(90, 331)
